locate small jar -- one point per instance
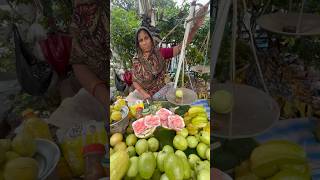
(93, 154)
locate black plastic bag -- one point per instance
(33, 75)
(120, 85)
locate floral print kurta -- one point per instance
(90, 31)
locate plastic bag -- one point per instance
(34, 76)
(74, 139)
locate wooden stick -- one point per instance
(233, 58)
(182, 78)
(300, 17)
(253, 47)
(184, 43)
(218, 32)
(206, 48)
(186, 64)
(234, 39)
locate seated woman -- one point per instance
(150, 64)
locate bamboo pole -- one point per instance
(184, 43)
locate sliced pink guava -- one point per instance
(163, 113)
(152, 121)
(176, 122)
(139, 126)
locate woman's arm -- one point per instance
(144, 94)
(79, 60)
(177, 49)
(91, 82)
(198, 23)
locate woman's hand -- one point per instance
(146, 96)
(102, 94)
(87, 79)
(199, 21)
(197, 24)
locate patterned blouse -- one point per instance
(90, 31)
(143, 70)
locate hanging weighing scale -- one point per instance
(188, 95)
(201, 69)
(292, 23)
(253, 111)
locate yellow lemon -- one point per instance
(121, 102)
(117, 107)
(179, 93)
(119, 97)
(116, 116)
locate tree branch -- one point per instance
(124, 4)
(15, 12)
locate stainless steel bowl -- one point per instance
(47, 155)
(120, 126)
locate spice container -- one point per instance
(93, 155)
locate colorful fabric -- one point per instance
(90, 31)
(149, 73)
(300, 132)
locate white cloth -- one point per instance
(79, 108)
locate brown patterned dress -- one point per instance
(90, 30)
(150, 72)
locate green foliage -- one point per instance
(125, 4)
(4, 15)
(20, 1)
(124, 23)
(7, 63)
(123, 27)
(22, 101)
(223, 62)
(307, 49)
(194, 56)
(62, 12)
(243, 56)
(311, 6)
(196, 53)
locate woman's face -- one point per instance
(144, 41)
